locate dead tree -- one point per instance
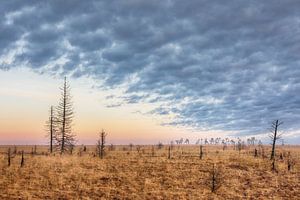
(101, 144)
(8, 157)
(201, 152)
(65, 138)
(51, 129)
(274, 136)
(169, 152)
(255, 152)
(22, 159)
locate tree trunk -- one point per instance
(274, 140)
(64, 118)
(51, 130)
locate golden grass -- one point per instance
(125, 174)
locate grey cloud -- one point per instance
(227, 66)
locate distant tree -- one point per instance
(187, 141)
(130, 146)
(160, 145)
(101, 144)
(138, 148)
(274, 136)
(206, 141)
(112, 147)
(15, 150)
(22, 159)
(51, 128)
(8, 157)
(65, 138)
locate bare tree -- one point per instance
(255, 152)
(22, 159)
(101, 144)
(169, 152)
(201, 152)
(65, 138)
(8, 157)
(274, 136)
(51, 128)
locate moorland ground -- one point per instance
(146, 172)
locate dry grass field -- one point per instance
(126, 173)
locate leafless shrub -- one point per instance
(274, 165)
(15, 150)
(138, 149)
(215, 179)
(160, 145)
(290, 162)
(131, 146)
(111, 147)
(255, 153)
(281, 156)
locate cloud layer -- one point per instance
(223, 66)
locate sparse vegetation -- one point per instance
(139, 175)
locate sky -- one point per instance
(149, 71)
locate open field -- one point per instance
(126, 173)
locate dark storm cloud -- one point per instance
(214, 65)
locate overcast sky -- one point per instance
(229, 66)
